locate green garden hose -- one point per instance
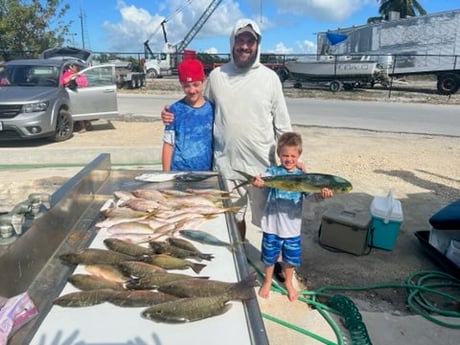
(429, 293)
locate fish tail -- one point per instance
(197, 267)
(234, 208)
(240, 185)
(248, 177)
(243, 290)
(207, 257)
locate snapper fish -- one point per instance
(306, 182)
(108, 272)
(91, 282)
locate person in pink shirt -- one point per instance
(71, 73)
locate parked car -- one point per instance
(35, 104)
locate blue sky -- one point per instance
(288, 26)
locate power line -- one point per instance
(176, 12)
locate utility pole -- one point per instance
(82, 29)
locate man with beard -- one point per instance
(250, 115)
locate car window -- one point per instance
(30, 75)
(99, 76)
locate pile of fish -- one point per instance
(147, 235)
(144, 215)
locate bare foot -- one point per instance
(291, 292)
(264, 290)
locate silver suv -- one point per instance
(35, 104)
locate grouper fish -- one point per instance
(202, 287)
(306, 182)
(125, 298)
(198, 308)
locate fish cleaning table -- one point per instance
(109, 324)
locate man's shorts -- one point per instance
(273, 245)
(256, 197)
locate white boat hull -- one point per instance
(349, 71)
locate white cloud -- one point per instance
(138, 24)
(321, 9)
(280, 48)
(307, 47)
(211, 50)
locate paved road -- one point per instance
(378, 116)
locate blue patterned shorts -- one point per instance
(273, 245)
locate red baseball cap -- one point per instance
(190, 70)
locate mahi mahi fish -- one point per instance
(198, 308)
(306, 182)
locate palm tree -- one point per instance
(406, 8)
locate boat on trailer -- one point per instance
(345, 73)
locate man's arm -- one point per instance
(166, 116)
(166, 156)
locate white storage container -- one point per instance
(453, 252)
(387, 217)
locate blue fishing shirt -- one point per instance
(191, 135)
(283, 210)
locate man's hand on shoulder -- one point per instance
(166, 116)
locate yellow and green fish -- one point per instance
(306, 182)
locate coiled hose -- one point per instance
(427, 291)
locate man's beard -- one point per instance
(245, 63)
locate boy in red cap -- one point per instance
(188, 139)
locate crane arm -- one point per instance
(198, 25)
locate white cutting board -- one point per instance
(106, 324)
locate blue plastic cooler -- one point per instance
(387, 217)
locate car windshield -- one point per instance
(29, 75)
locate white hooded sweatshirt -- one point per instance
(250, 113)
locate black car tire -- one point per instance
(64, 126)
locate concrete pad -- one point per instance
(291, 315)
